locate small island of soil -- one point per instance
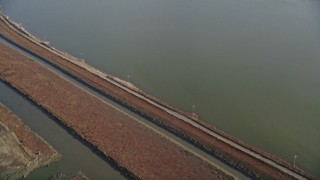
(21, 150)
(69, 176)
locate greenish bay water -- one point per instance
(251, 67)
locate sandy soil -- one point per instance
(21, 150)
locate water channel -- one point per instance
(251, 67)
(75, 155)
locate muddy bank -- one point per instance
(21, 150)
(69, 176)
(245, 163)
(137, 149)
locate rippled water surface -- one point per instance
(251, 67)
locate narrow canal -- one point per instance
(75, 155)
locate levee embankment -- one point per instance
(133, 98)
(138, 150)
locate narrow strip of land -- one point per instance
(206, 157)
(216, 141)
(136, 148)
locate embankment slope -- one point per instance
(135, 148)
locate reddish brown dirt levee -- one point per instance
(133, 146)
(245, 163)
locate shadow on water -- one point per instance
(112, 163)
